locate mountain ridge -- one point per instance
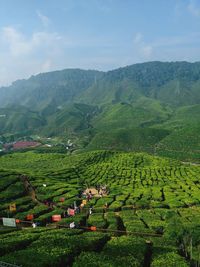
(147, 74)
(141, 107)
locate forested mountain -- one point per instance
(152, 106)
(48, 90)
(173, 83)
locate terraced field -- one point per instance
(150, 217)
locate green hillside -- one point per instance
(183, 117)
(151, 106)
(184, 140)
(73, 118)
(128, 139)
(151, 213)
(45, 92)
(144, 112)
(174, 83)
(19, 119)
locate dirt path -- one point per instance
(29, 188)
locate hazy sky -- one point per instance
(43, 35)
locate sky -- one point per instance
(45, 35)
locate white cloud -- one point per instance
(138, 38)
(147, 51)
(22, 55)
(194, 8)
(15, 41)
(46, 66)
(19, 45)
(44, 19)
(144, 50)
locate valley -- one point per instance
(134, 133)
(149, 107)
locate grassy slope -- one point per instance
(73, 118)
(175, 83)
(161, 189)
(143, 111)
(146, 125)
(183, 142)
(19, 119)
(125, 126)
(149, 126)
(128, 139)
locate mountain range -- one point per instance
(151, 107)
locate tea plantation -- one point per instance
(150, 215)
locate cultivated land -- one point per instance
(150, 217)
(135, 130)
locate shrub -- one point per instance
(171, 259)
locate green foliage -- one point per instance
(147, 196)
(149, 107)
(91, 259)
(19, 119)
(169, 259)
(54, 248)
(15, 241)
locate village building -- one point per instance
(21, 145)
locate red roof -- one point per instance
(24, 144)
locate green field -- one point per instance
(152, 215)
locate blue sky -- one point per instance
(44, 35)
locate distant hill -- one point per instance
(45, 92)
(175, 83)
(151, 106)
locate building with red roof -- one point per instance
(25, 144)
